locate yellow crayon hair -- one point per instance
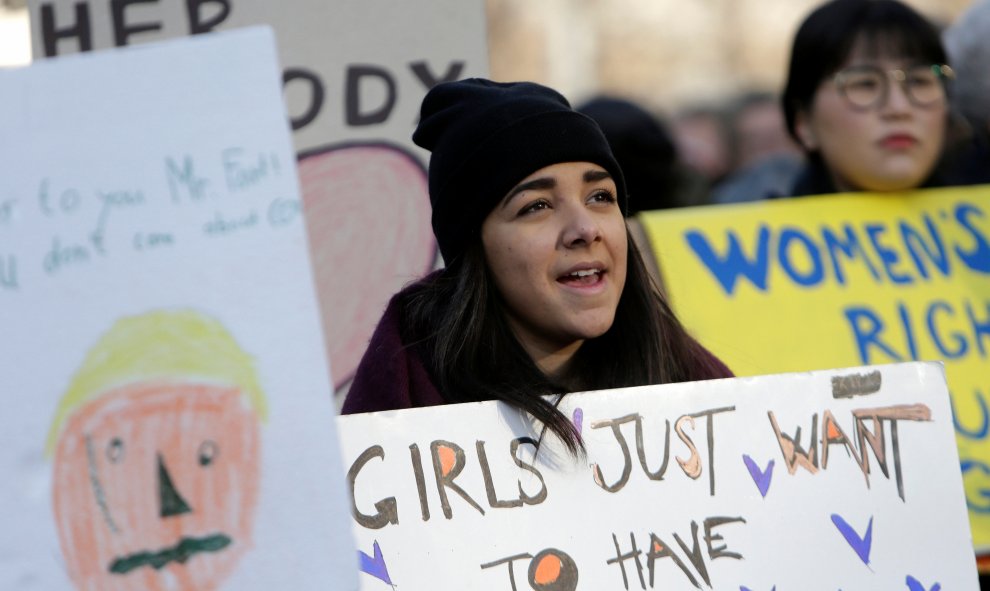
(157, 345)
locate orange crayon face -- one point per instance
(155, 485)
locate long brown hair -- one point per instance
(457, 324)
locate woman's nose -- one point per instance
(580, 228)
(897, 101)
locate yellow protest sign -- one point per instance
(845, 280)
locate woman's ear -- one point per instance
(804, 131)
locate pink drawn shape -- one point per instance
(367, 213)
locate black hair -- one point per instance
(828, 35)
(457, 324)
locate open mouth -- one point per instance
(582, 278)
(181, 552)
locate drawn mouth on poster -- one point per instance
(180, 553)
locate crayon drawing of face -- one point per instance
(156, 469)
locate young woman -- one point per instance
(543, 291)
(866, 98)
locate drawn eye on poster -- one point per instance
(170, 409)
(154, 450)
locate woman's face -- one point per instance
(889, 146)
(556, 247)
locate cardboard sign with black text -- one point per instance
(840, 479)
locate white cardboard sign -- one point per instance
(168, 415)
(843, 479)
(354, 75)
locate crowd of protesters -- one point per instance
(544, 289)
(877, 98)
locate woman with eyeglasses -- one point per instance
(866, 98)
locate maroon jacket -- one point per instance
(392, 376)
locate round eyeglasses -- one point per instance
(868, 86)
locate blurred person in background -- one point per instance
(759, 130)
(702, 137)
(767, 160)
(967, 42)
(645, 151)
(866, 98)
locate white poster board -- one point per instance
(843, 479)
(354, 75)
(168, 415)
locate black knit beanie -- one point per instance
(485, 137)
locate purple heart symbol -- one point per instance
(915, 585)
(860, 545)
(578, 419)
(760, 477)
(743, 588)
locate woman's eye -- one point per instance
(863, 84)
(921, 81)
(534, 207)
(603, 196)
